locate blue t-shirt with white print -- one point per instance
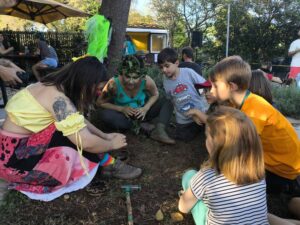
(184, 95)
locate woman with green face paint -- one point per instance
(132, 95)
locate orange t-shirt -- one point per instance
(279, 139)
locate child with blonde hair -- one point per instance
(281, 145)
(230, 187)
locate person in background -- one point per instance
(266, 67)
(259, 85)
(5, 47)
(48, 56)
(230, 187)
(129, 47)
(48, 146)
(179, 87)
(187, 60)
(133, 96)
(294, 52)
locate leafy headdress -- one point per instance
(132, 64)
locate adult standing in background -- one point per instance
(48, 56)
(187, 60)
(294, 52)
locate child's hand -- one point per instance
(118, 141)
(192, 112)
(196, 115)
(128, 111)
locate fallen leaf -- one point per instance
(143, 209)
(176, 217)
(159, 216)
(66, 197)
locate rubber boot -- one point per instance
(160, 134)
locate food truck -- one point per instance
(149, 41)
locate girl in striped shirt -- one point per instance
(230, 187)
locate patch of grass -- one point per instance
(287, 100)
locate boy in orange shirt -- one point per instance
(230, 81)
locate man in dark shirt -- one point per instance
(187, 58)
(48, 56)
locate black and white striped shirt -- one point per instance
(229, 203)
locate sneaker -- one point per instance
(121, 170)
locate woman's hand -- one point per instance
(111, 136)
(141, 113)
(118, 141)
(128, 111)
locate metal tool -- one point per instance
(128, 189)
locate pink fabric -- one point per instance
(63, 164)
(294, 72)
(57, 167)
(269, 76)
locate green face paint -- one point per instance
(132, 76)
(131, 68)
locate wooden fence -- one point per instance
(67, 45)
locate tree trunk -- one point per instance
(117, 11)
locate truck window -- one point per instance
(158, 42)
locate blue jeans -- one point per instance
(117, 121)
(199, 211)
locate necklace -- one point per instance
(244, 99)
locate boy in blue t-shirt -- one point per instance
(179, 87)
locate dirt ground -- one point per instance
(103, 202)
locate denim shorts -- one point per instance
(50, 62)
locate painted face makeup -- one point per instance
(132, 76)
(131, 80)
